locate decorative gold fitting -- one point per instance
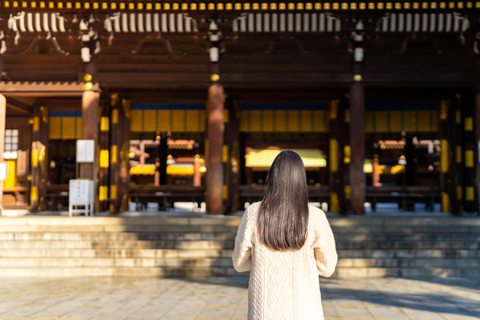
(87, 77)
(357, 78)
(214, 77)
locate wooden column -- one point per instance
(357, 143)
(456, 124)
(104, 165)
(3, 110)
(339, 156)
(470, 154)
(215, 149)
(90, 105)
(477, 141)
(232, 156)
(163, 155)
(450, 154)
(119, 154)
(39, 159)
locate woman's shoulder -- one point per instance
(316, 213)
(253, 208)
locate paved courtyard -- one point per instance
(226, 298)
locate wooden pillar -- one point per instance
(104, 165)
(232, 156)
(3, 111)
(119, 159)
(470, 154)
(450, 155)
(477, 141)
(90, 105)
(215, 149)
(457, 155)
(39, 159)
(339, 156)
(163, 155)
(357, 143)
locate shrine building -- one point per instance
(190, 101)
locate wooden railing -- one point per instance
(166, 195)
(429, 195)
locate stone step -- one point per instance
(383, 222)
(402, 254)
(408, 263)
(405, 272)
(116, 253)
(225, 253)
(48, 262)
(119, 228)
(115, 236)
(87, 244)
(411, 245)
(201, 272)
(229, 235)
(71, 262)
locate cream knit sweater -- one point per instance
(285, 285)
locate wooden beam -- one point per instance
(216, 129)
(20, 107)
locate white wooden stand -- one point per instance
(81, 197)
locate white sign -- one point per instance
(85, 151)
(3, 171)
(80, 191)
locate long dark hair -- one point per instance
(283, 214)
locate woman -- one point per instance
(285, 243)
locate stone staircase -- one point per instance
(165, 246)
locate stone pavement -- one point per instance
(226, 298)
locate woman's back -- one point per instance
(285, 284)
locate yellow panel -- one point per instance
(469, 159)
(424, 121)
(178, 120)
(113, 192)
(34, 193)
(319, 121)
(104, 124)
(381, 119)
(306, 121)
(79, 127)
(469, 193)
(163, 120)
(468, 124)
(203, 120)
(114, 153)
(369, 121)
(193, 120)
(444, 156)
(435, 121)
(149, 120)
(395, 121)
(268, 121)
(136, 121)
(293, 116)
(115, 116)
(225, 153)
(255, 123)
(54, 128)
(68, 128)
(409, 121)
(280, 121)
(11, 180)
(104, 158)
(243, 121)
